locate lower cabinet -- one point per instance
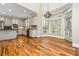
(22, 32)
(33, 33)
(8, 34)
(25, 32)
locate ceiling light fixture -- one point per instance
(47, 14)
(24, 10)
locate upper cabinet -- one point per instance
(7, 21)
(1, 18)
(15, 21)
(26, 22)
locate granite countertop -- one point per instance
(33, 28)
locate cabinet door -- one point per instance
(24, 32)
(14, 21)
(19, 32)
(1, 25)
(1, 18)
(7, 22)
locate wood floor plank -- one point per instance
(42, 46)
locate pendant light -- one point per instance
(48, 14)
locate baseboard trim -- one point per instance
(51, 36)
(8, 39)
(76, 44)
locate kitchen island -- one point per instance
(8, 34)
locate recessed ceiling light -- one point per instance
(3, 12)
(9, 10)
(2, 3)
(24, 10)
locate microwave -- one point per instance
(14, 26)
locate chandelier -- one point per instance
(47, 14)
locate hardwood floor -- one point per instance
(43, 46)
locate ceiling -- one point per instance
(35, 6)
(25, 10)
(15, 10)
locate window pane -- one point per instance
(56, 27)
(68, 27)
(45, 26)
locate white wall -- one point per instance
(75, 25)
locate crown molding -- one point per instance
(61, 10)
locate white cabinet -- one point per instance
(1, 25)
(19, 32)
(33, 33)
(14, 21)
(22, 32)
(1, 19)
(8, 34)
(7, 22)
(26, 24)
